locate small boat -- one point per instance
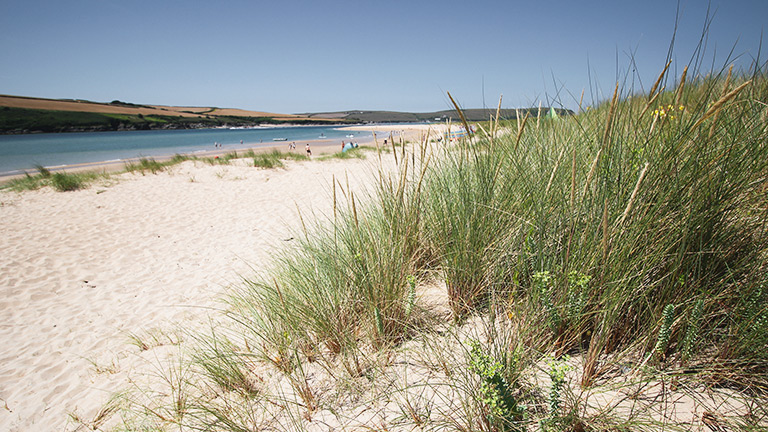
(279, 139)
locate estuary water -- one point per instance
(20, 153)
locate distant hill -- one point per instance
(27, 115)
(474, 114)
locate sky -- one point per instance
(295, 56)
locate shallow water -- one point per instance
(19, 153)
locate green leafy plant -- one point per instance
(665, 331)
(692, 330)
(557, 370)
(496, 393)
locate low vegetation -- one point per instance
(65, 181)
(60, 181)
(274, 158)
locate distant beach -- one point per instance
(112, 150)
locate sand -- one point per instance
(85, 274)
(411, 132)
(83, 271)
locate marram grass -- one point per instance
(630, 236)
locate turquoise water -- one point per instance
(19, 153)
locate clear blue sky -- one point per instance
(308, 56)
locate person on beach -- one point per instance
(342, 146)
(309, 151)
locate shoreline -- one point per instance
(319, 146)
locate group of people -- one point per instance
(292, 146)
(217, 144)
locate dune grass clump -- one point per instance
(274, 159)
(43, 171)
(59, 181)
(353, 153)
(150, 164)
(346, 286)
(28, 182)
(64, 182)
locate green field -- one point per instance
(22, 120)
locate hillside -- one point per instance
(29, 115)
(20, 115)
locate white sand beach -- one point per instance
(144, 255)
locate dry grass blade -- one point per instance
(658, 80)
(301, 219)
(279, 293)
(461, 115)
(591, 173)
(498, 110)
(573, 179)
(717, 106)
(634, 195)
(333, 181)
(394, 149)
(538, 116)
(681, 87)
(485, 132)
(520, 129)
(554, 171)
(611, 113)
(725, 91)
(648, 105)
